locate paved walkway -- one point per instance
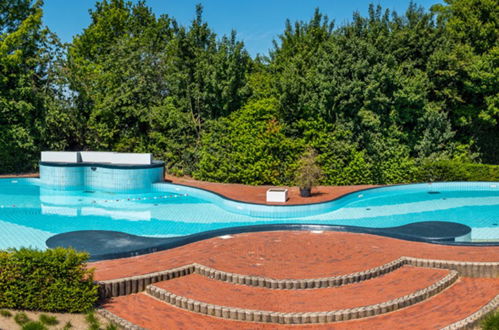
(290, 254)
(257, 194)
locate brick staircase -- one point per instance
(267, 281)
(396, 293)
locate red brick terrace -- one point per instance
(298, 255)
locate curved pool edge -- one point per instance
(283, 204)
(100, 246)
(300, 210)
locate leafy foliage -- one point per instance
(51, 280)
(491, 321)
(384, 98)
(248, 146)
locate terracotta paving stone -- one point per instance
(257, 194)
(453, 304)
(290, 254)
(25, 175)
(401, 282)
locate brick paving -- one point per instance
(453, 304)
(25, 175)
(299, 255)
(290, 254)
(257, 194)
(402, 281)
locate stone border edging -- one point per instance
(292, 284)
(127, 325)
(471, 321)
(465, 268)
(242, 314)
(134, 284)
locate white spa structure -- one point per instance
(105, 171)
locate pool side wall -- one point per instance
(101, 177)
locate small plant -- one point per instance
(5, 313)
(308, 173)
(32, 325)
(48, 320)
(491, 322)
(93, 322)
(67, 326)
(21, 318)
(111, 326)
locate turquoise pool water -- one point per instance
(31, 213)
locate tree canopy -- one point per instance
(378, 98)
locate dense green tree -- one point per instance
(26, 91)
(465, 72)
(248, 146)
(385, 98)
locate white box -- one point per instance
(60, 156)
(277, 195)
(97, 156)
(132, 159)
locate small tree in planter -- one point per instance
(308, 173)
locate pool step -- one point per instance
(401, 288)
(465, 297)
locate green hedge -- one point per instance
(456, 171)
(54, 280)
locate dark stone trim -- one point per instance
(100, 243)
(155, 164)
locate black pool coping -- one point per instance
(105, 245)
(154, 164)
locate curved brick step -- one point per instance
(301, 306)
(134, 284)
(463, 299)
(401, 282)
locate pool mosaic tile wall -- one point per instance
(115, 179)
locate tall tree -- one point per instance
(26, 89)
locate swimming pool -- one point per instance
(30, 213)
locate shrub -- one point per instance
(54, 280)
(456, 171)
(34, 326)
(308, 173)
(491, 322)
(48, 320)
